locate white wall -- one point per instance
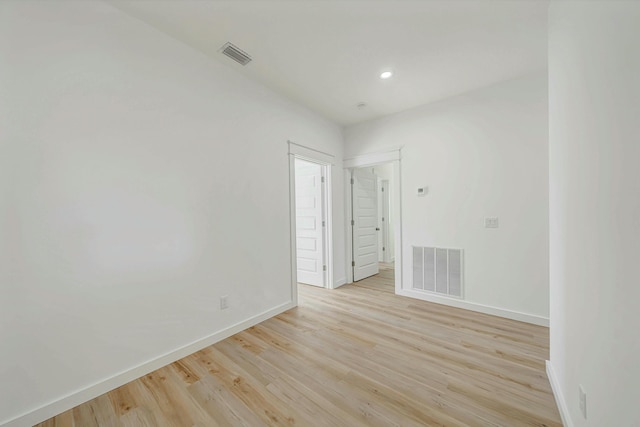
(594, 86)
(481, 154)
(147, 181)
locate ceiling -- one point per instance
(328, 55)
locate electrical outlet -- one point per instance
(491, 222)
(224, 302)
(583, 401)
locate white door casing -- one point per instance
(365, 224)
(309, 223)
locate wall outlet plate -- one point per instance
(583, 401)
(224, 302)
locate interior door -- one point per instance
(385, 220)
(309, 223)
(365, 224)
(380, 220)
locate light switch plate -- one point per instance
(583, 401)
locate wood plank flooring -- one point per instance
(355, 356)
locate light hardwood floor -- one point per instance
(355, 356)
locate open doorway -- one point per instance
(310, 204)
(372, 224)
(386, 244)
(311, 222)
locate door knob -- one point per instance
(377, 229)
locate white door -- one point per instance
(365, 224)
(380, 219)
(309, 223)
(385, 221)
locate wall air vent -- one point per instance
(235, 53)
(438, 270)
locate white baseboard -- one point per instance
(481, 308)
(339, 282)
(65, 403)
(557, 393)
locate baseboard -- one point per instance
(557, 393)
(65, 403)
(481, 308)
(339, 282)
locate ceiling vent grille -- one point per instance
(235, 53)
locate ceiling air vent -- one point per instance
(235, 53)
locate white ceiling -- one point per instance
(328, 55)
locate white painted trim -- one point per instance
(348, 228)
(397, 223)
(480, 308)
(292, 229)
(308, 153)
(372, 159)
(340, 282)
(328, 230)
(74, 399)
(557, 393)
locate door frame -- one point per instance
(367, 160)
(326, 161)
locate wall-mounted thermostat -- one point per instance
(422, 191)
(491, 222)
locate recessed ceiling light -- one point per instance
(386, 74)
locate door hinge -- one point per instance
(351, 181)
(322, 179)
(383, 189)
(353, 223)
(383, 248)
(382, 219)
(324, 268)
(353, 263)
(323, 223)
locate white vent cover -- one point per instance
(438, 270)
(235, 53)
